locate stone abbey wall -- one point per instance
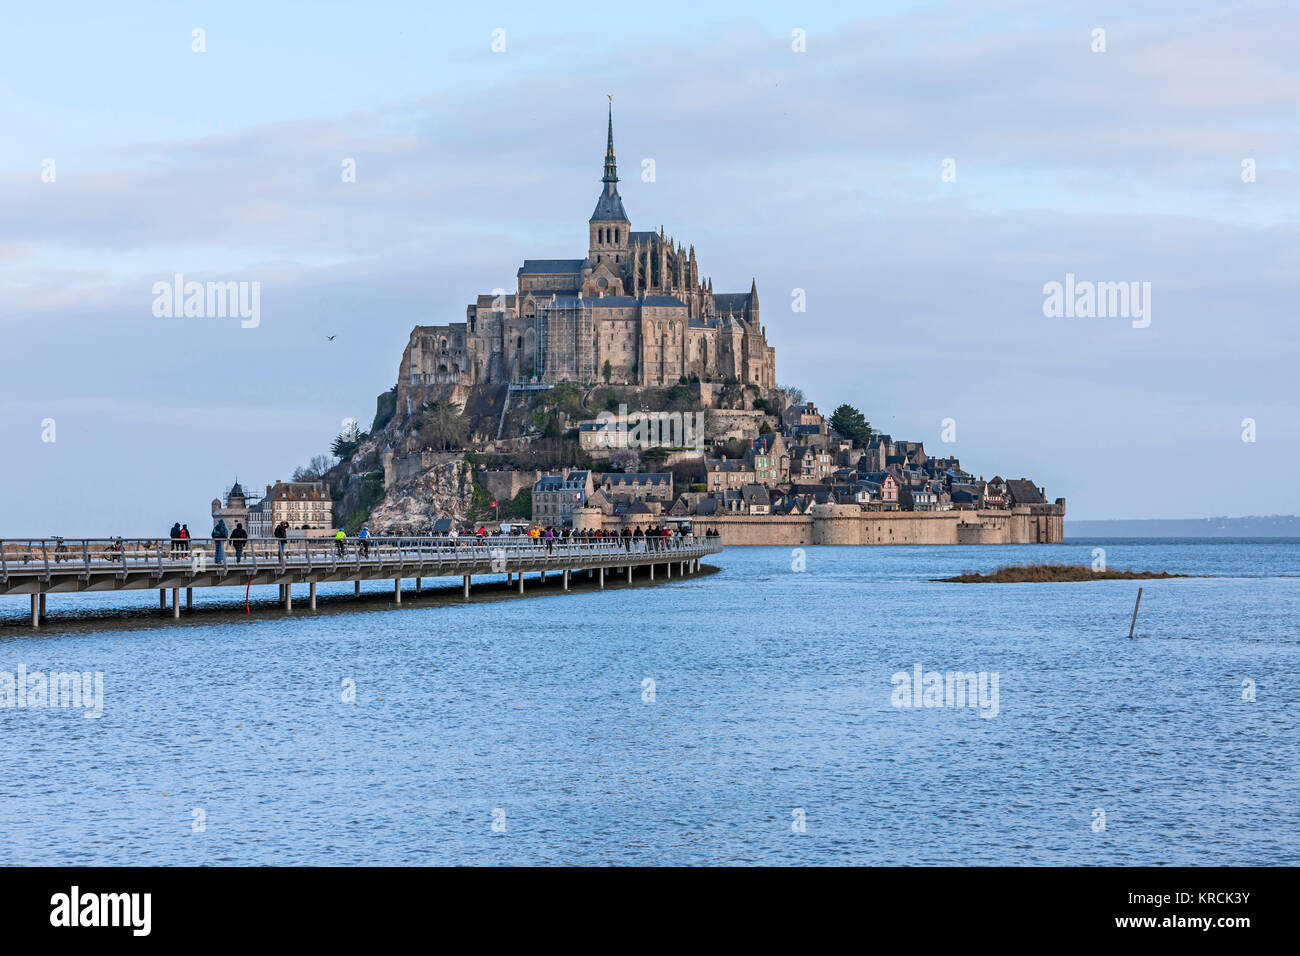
(847, 524)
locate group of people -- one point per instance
(655, 535)
(238, 538)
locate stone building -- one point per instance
(233, 510)
(306, 505)
(557, 497)
(635, 309)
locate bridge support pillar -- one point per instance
(629, 574)
(356, 590)
(566, 580)
(521, 582)
(668, 567)
(288, 597)
(652, 570)
(464, 587)
(397, 590)
(176, 602)
(162, 599)
(189, 599)
(602, 578)
(312, 592)
(543, 575)
(36, 612)
(42, 611)
(418, 583)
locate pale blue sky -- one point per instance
(816, 170)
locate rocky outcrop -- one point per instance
(412, 504)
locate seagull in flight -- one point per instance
(329, 338)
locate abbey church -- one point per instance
(634, 311)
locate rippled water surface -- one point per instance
(772, 693)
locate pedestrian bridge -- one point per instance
(41, 566)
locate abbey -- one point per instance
(634, 311)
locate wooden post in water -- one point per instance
(1135, 615)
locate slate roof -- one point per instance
(551, 266)
(609, 207)
(1024, 492)
(731, 301)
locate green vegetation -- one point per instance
(370, 491)
(521, 505)
(851, 423)
(607, 371)
(733, 393)
(1050, 573)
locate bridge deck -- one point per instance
(68, 566)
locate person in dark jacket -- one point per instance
(219, 536)
(238, 538)
(282, 535)
(176, 537)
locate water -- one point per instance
(772, 694)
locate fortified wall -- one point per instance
(848, 524)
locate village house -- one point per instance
(556, 497)
(722, 474)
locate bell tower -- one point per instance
(609, 225)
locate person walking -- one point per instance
(238, 538)
(219, 535)
(282, 537)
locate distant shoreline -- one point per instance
(1270, 526)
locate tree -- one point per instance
(607, 371)
(442, 425)
(315, 469)
(851, 423)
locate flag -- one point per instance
(492, 504)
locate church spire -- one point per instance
(609, 207)
(611, 166)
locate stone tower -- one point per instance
(609, 224)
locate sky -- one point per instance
(917, 173)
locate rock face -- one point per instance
(445, 490)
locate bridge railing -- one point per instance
(63, 555)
